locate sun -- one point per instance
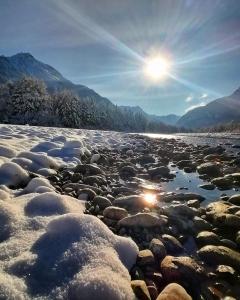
(156, 68)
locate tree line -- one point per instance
(27, 101)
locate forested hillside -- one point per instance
(27, 101)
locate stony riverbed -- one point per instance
(179, 239)
(178, 244)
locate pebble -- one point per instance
(115, 213)
(174, 291)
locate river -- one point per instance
(190, 182)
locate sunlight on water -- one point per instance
(150, 198)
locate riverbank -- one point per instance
(86, 215)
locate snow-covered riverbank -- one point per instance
(48, 247)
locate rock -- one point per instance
(220, 255)
(217, 207)
(159, 171)
(94, 179)
(140, 289)
(146, 159)
(157, 248)
(102, 202)
(174, 291)
(128, 171)
(228, 243)
(201, 224)
(185, 163)
(236, 176)
(183, 268)
(142, 220)
(210, 168)
(235, 199)
(115, 213)
(181, 197)
(145, 257)
(76, 177)
(172, 245)
(226, 273)
(193, 203)
(95, 157)
(222, 183)
(86, 194)
(181, 156)
(180, 209)
(131, 202)
(152, 288)
(226, 220)
(213, 150)
(208, 238)
(207, 186)
(88, 169)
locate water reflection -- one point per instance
(150, 198)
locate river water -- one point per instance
(190, 181)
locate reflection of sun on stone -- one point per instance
(150, 198)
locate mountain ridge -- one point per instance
(216, 112)
(25, 64)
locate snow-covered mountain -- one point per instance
(220, 111)
(170, 119)
(24, 64)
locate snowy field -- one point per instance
(48, 248)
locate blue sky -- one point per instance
(103, 44)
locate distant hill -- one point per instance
(168, 119)
(220, 111)
(171, 119)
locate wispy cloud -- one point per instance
(189, 98)
(195, 106)
(203, 96)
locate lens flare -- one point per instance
(150, 198)
(156, 68)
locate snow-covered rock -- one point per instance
(11, 174)
(35, 183)
(71, 256)
(7, 152)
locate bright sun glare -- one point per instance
(156, 68)
(150, 198)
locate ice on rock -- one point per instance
(11, 174)
(51, 203)
(35, 183)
